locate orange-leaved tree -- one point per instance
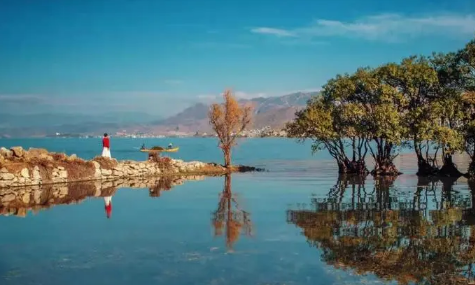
(228, 120)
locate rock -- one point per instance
(35, 153)
(63, 191)
(3, 170)
(6, 153)
(18, 151)
(7, 176)
(26, 198)
(60, 156)
(106, 172)
(46, 157)
(73, 157)
(8, 198)
(36, 173)
(37, 196)
(119, 167)
(25, 173)
(63, 174)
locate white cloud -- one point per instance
(385, 27)
(273, 31)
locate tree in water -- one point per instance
(469, 131)
(228, 120)
(448, 104)
(383, 114)
(336, 127)
(467, 64)
(416, 81)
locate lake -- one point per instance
(298, 223)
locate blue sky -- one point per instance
(160, 56)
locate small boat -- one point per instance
(175, 149)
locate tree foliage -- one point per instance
(228, 120)
(423, 103)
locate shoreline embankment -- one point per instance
(35, 166)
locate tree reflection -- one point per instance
(229, 219)
(426, 239)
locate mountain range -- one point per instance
(268, 111)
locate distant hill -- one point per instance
(268, 111)
(22, 125)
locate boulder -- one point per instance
(18, 151)
(25, 173)
(35, 153)
(6, 176)
(36, 173)
(26, 198)
(6, 153)
(63, 174)
(8, 198)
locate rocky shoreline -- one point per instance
(19, 201)
(19, 167)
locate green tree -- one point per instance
(448, 106)
(383, 106)
(336, 127)
(467, 66)
(431, 91)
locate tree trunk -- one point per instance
(449, 169)
(425, 168)
(385, 167)
(471, 170)
(352, 167)
(227, 157)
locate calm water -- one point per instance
(299, 223)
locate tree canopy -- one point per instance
(425, 103)
(228, 120)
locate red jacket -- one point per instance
(106, 142)
(108, 210)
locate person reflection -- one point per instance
(229, 219)
(108, 206)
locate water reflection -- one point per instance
(229, 219)
(425, 236)
(19, 201)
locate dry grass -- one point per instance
(105, 162)
(78, 169)
(164, 163)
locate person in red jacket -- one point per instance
(106, 152)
